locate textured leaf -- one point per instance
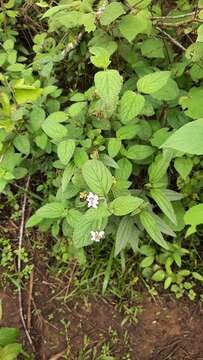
(53, 129)
(153, 82)
(131, 105)
(114, 146)
(164, 204)
(183, 166)
(152, 229)
(139, 152)
(124, 205)
(131, 25)
(108, 84)
(111, 13)
(22, 144)
(187, 139)
(153, 48)
(97, 177)
(100, 57)
(52, 210)
(126, 233)
(65, 151)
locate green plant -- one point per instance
(103, 110)
(9, 347)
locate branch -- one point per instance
(20, 242)
(174, 41)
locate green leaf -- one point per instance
(57, 116)
(169, 92)
(11, 351)
(127, 132)
(80, 157)
(97, 177)
(67, 175)
(139, 152)
(92, 220)
(65, 151)
(52, 210)
(192, 103)
(197, 276)
(159, 167)
(153, 82)
(111, 13)
(108, 85)
(124, 205)
(26, 93)
(114, 146)
(159, 275)
(183, 166)
(193, 217)
(54, 129)
(22, 144)
(126, 233)
(131, 105)
(153, 48)
(131, 25)
(151, 227)
(100, 57)
(8, 335)
(125, 169)
(164, 204)
(146, 262)
(187, 139)
(147, 250)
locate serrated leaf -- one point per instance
(187, 139)
(65, 151)
(153, 82)
(126, 233)
(164, 204)
(111, 13)
(159, 167)
(54, 129)
(124, 205)
(100, 57)
(52, 210)
(97, 177)
(152, 229)
(133, 24)
(131, 105)
(22, 144)
(139, 152)
(108, 85)
(114, 146)
(183, 166)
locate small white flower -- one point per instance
(92, 200)
(97, 235)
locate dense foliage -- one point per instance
(101, 106)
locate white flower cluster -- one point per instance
(92, 200)
(97, 235)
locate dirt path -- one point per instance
(165, 329)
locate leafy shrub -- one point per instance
(101, 104)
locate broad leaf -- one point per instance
(111, 13)
(22, 144)
(139, 152)
(100, 57)
(192, 103)
(124, 205)
(97, 177)
(153, 82)
(131, 105)
(187, 139)
(114, 146)
(52, 210)
(54, 129)
(183, 166)
(193, 217)
(133, 24)
(108, 85)
(65, 151)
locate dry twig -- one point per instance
(174, 41)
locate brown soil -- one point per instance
(166, 329)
